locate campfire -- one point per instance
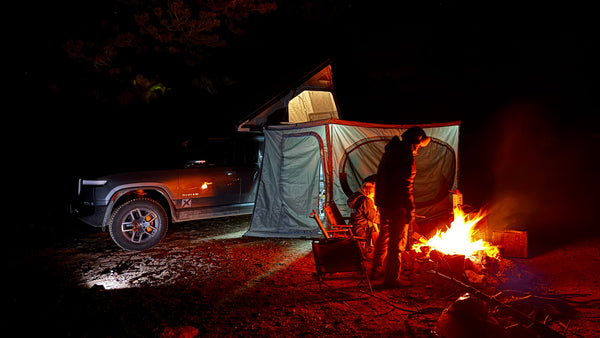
(461, 238)
(460, 251)
(461, 257)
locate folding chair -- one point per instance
(337, 255)
(335, 217)
(337, 220)
(332, 233)
(340, 255)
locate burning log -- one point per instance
(460, 251)
(461, 238)
(450, 264)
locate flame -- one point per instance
(205, 185)
(459, 238)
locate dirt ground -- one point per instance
(205, 279)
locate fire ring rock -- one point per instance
(468, 317)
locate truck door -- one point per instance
(210, 177)
(208, 186)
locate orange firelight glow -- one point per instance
(459, 238)
(205, 185)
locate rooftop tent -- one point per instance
(307, 164)
(311, 98)
(311, 105)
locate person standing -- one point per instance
(395, 201)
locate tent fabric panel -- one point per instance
(357, 152)
(436, 167)
(289, 185)
(348, 148)
(299, 183)
(266, 215)
(322, 102)
(300, 108)
(357, 149)
(311, 105)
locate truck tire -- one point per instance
(138, 224)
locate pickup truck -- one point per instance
(218, 179)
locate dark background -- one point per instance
(518, 77)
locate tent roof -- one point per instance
(318, 79)
(360, 124)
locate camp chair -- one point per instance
(337, 221)
(337, 255)
(334, 216)
(345, 231)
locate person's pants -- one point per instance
(392, 240)
(364, 232)
(380, 251)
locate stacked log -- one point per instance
(480, 271)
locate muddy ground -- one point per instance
(205, 279)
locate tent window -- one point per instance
(311, 105)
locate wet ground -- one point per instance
(205, 279)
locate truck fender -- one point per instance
(120, 191)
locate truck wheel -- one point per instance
(138, 224)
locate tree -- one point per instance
(150, 41)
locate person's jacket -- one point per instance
(396, 177)
(363, 212)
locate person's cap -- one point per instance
(414, 135)
(370, 179)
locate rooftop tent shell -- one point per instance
(311, 98)
(307, 164)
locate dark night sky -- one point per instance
(517, 76)
(442, 60)
(447, 60)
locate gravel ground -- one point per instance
(205, 279)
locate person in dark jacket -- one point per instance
(364, 216)
(395, 201)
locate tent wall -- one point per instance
(357, 151)
(345, 152)
(288, 189)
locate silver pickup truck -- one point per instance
(220, 179)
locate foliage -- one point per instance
(147, 34)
